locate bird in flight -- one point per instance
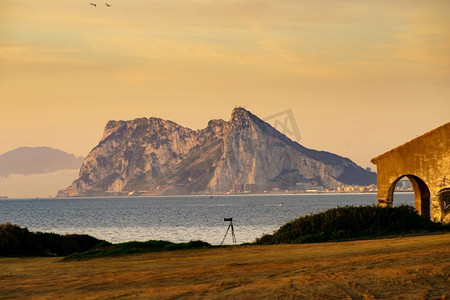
(107, 4)
(93, 4)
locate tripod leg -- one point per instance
(232, 234)
(226, 233)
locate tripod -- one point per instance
(232, 231)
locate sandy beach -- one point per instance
(398, 268)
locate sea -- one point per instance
(176, 218)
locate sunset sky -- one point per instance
(360, 77)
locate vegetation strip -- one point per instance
(350, 222)
(337, 224)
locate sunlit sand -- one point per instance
(406, 268)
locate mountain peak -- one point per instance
(240, 117)
(239, 112)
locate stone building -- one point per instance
(425, 161)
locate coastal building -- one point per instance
(237, 188)
(250, 188)
(425, 161)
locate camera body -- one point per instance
(228, 219)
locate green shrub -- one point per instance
(17, 241)
(13, 239)
(351, 222)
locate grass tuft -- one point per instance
(109, 250)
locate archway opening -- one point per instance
(403, 192)
(421, 191)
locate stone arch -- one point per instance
(422, 194)
(425, 160)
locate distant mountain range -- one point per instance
(37, 160)
(244, 154)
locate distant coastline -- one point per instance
(272, 192)
(268, 193)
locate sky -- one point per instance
(360, 77)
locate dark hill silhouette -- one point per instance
(37, 160)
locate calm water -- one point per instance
(176, 219)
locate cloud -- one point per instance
(166, 37)
(23, 54)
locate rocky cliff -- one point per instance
(155, 156)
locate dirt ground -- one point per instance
(400, 268)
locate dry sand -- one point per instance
(400, 268)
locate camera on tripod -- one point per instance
(232, 230)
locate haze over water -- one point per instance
(175, 218)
